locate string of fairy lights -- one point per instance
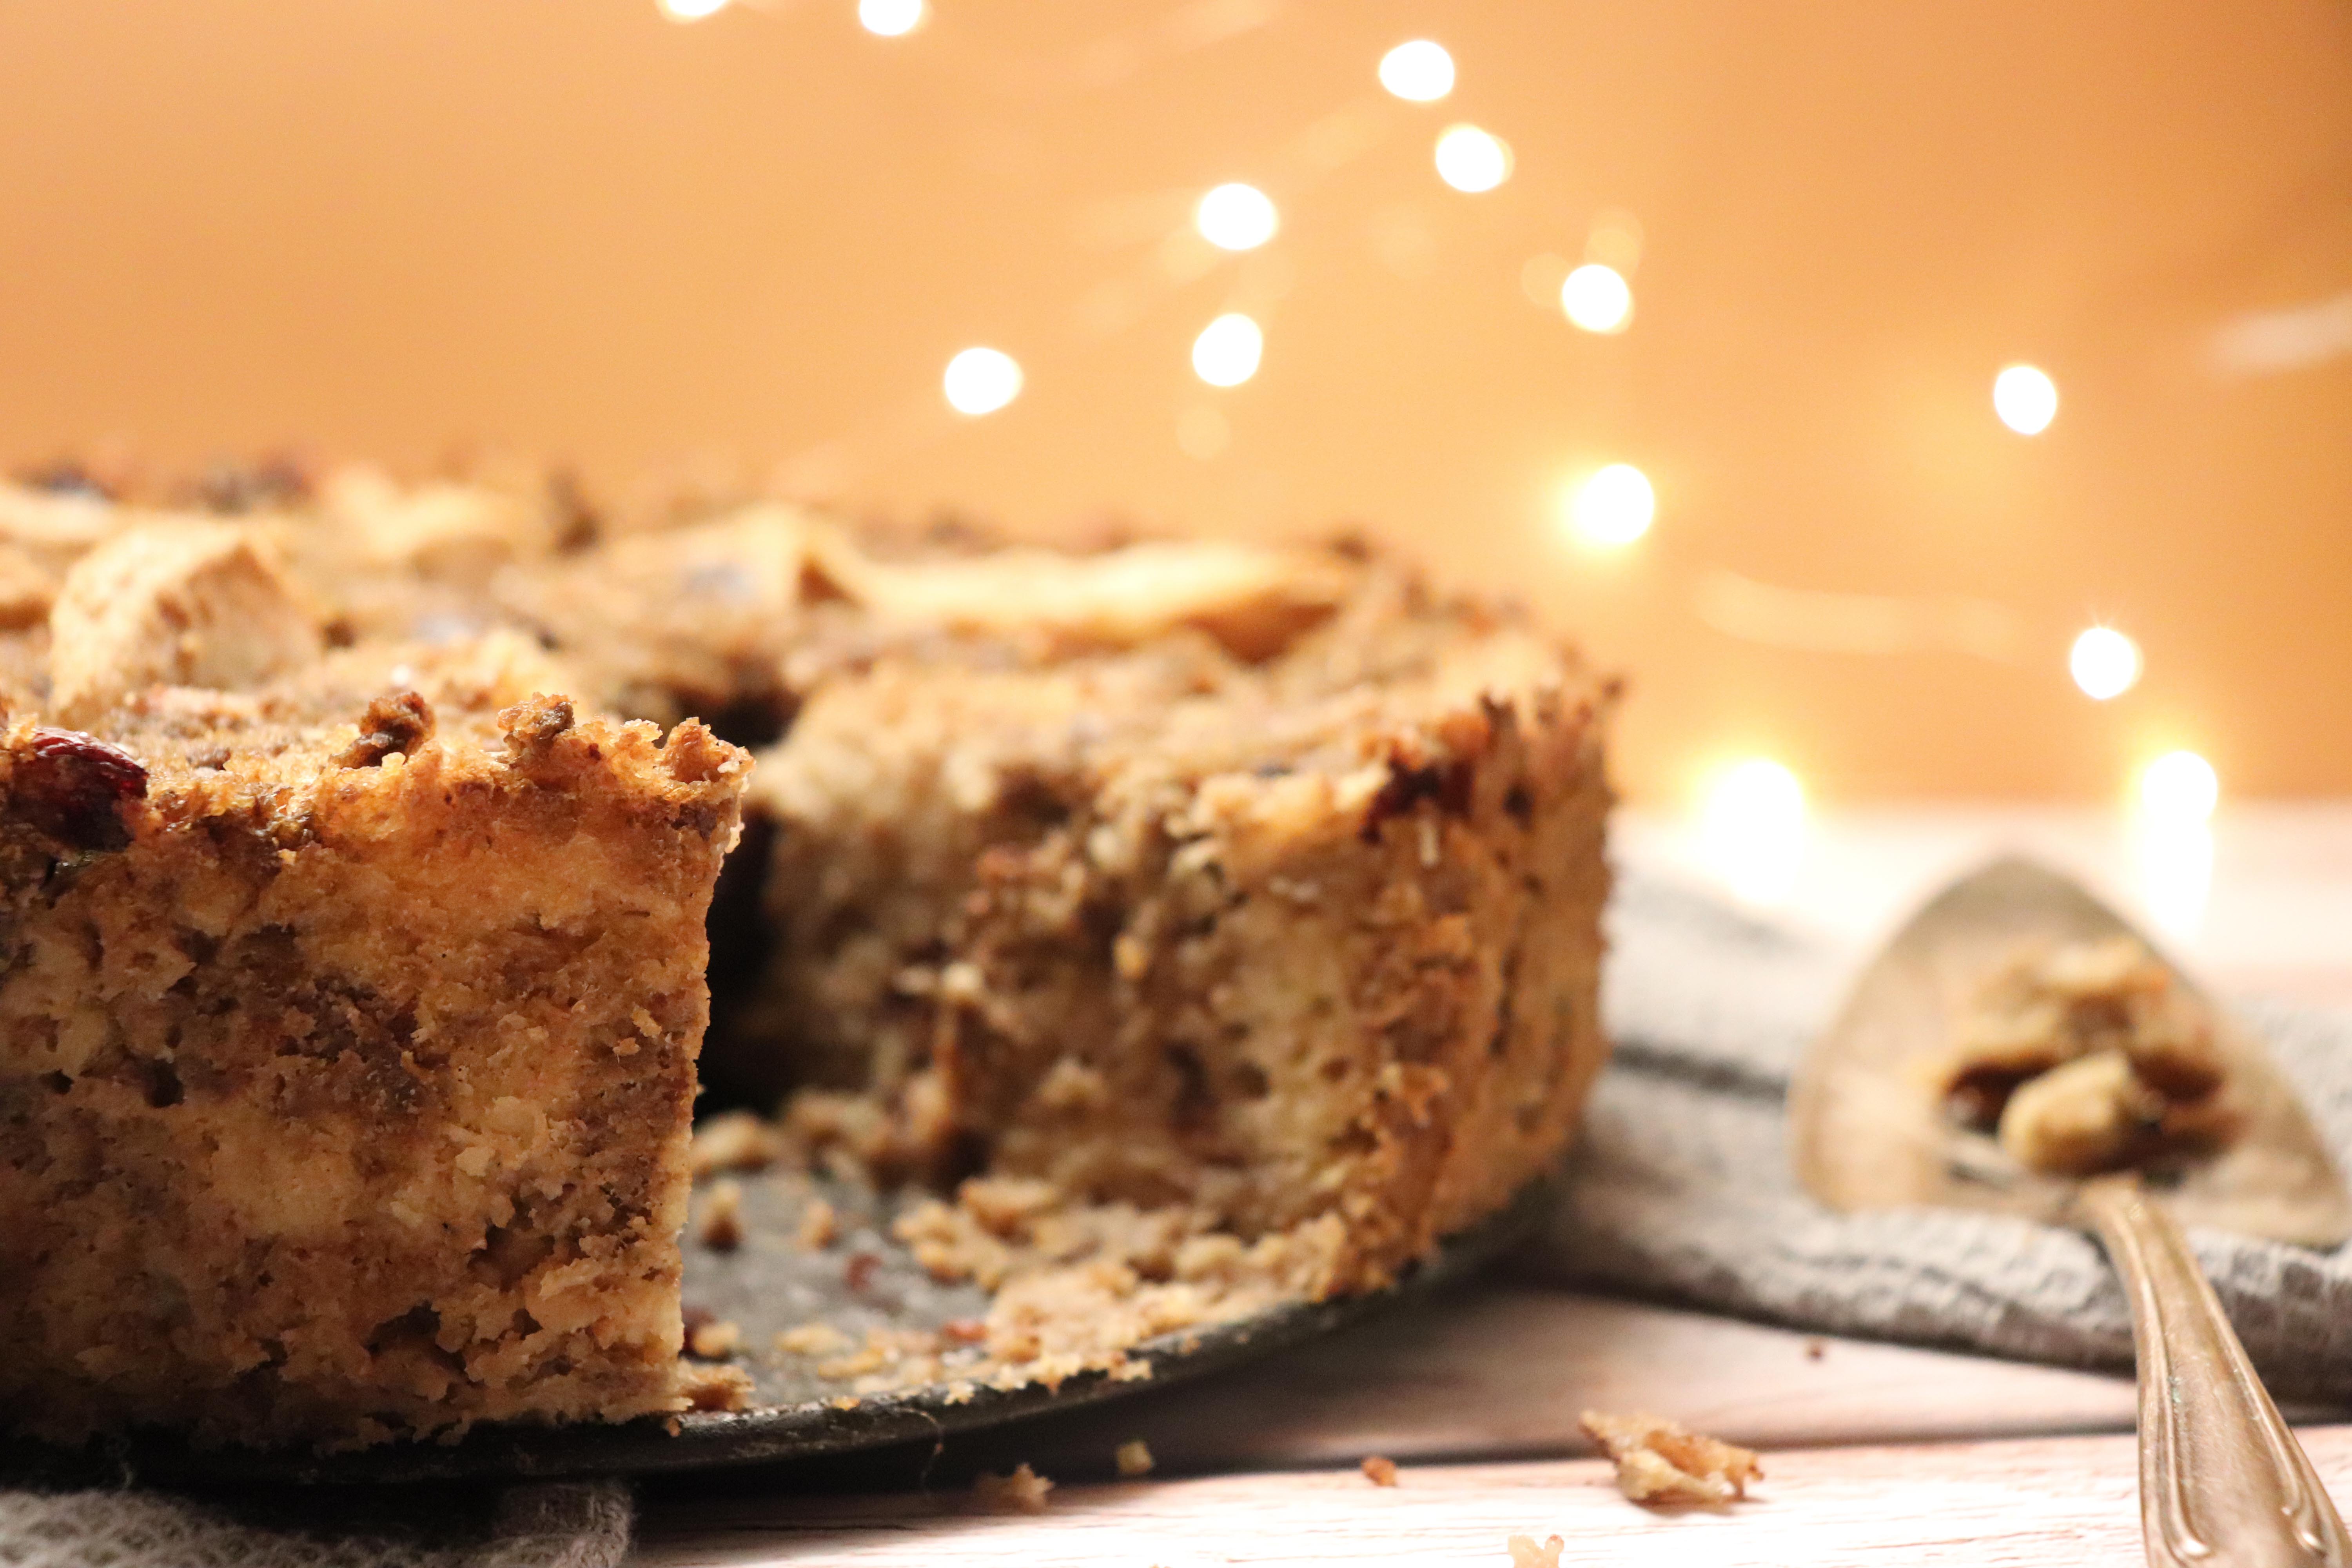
(1754, 808)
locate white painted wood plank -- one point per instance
(1499, 1370)
(2038, 1501)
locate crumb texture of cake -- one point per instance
(347, 1050)
(1313, 934)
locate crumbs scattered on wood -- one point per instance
(1022, 1491)
(1659, 1462)
(1526, 1554)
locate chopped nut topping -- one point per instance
(400, 721)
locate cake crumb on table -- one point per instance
(820, 1226)
(722, 1226)
(1022, 1491)
(1380, 1472)
(715, 1340)
(1526, 1554)
(815, 1337)
(716, 1389)
(1660, 1462)
(733, 1140)
(1134, 1458)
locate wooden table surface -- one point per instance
(1872, 1450)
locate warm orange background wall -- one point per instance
(571, 228)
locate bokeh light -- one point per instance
(1420, 71)
(2179, 788)
(1227, 351)
(890, 19)
(1597, 299)
(1613, 507)
(981, 381)
(2105, 663)
(1236, 217)
(2025, 398)
(690, 10)
(1471, 160)
(1753, 830)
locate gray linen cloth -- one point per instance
(1680, 1186)
(560, 1525)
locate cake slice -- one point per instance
(348, 1032)
(1296, 932)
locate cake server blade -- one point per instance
(2222, 1481)
(1866, 1129)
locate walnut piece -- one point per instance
(1526, 1554)
(1659, 1462)
(2080, 1118)
(2085, 1058)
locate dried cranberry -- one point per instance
(68, 785)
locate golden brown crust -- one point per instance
(344, 1095)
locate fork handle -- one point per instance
(2222, 1482)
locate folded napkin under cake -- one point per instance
(1680, 1183)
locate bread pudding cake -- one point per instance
(1201, 921)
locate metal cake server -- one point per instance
(2223, 1479)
